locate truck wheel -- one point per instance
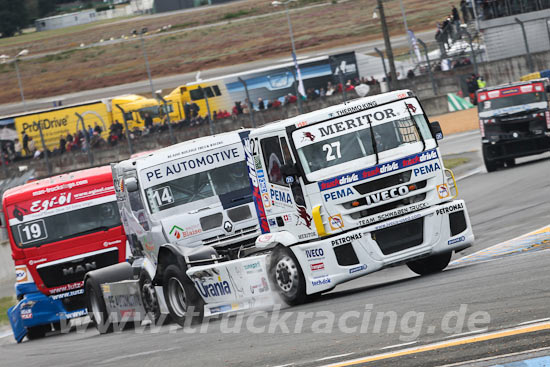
(490, 165)
(37, 332)
(96, 306)
(510, 162)
(149, 295)
(287, 276)
(181, 296)
(431, 264)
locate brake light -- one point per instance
(547, 113)
(482, 128)
(539, 115)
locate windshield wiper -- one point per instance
(96, 229)
(373, 141)
(416, 125)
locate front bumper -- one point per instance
(515, 148)
(243, 283)
(38, 309)
(435, 230)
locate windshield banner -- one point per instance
(61, 198)
(358, 121)
(512, 91)
(190, 165)
(378, 170)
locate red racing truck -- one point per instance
(59, 228)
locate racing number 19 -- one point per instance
(33, 231)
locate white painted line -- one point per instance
(6, 334)
(467, 333)
(399, 345)
(285, 365)
(468, 363)
(534, 321)
(470, 173)
(333, 357)
(462, 135)
(459, 260)
(141, 354)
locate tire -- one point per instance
(181, 297)
(510, 162)
(37, 332)
(287, 277)
(430, 265)
(97, 310)
(149, 296)
(490, 164)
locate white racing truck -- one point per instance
(346, 191)
(337, 194)
(185, 205)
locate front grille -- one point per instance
(383, 183)
(400, 237)
(211, 221)
(73, 271)
(226, 237)
(239, 214)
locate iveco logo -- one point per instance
(228, 226)
(71, 270)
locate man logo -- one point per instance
(81, 268)
(228, 226)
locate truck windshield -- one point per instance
(510, 101)
(202, 185)
(351, 139)
(66, 225)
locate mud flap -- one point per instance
(14, 314)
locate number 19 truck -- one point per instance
(59, 228)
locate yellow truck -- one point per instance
(60, 121)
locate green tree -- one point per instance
(13, 17)
(45, 8)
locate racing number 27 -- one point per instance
(328, 148)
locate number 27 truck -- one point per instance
(59, 228)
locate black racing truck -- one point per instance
(514, 121)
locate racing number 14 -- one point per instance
(328, 149)
(163, 196)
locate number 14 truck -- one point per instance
(335, 194)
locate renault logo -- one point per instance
(228, 226)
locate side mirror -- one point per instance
(131, 184)
(290, 173)
(435, 128)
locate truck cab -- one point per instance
(59, 228)
(184, 205)
(514, 121)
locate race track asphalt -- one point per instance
(464, 301)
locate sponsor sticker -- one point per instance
(317, 266)
(319, 282)
(358, 268)
(26, 313)
(443, 191)
(21, 275)
(336, 222)
(456, 240)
